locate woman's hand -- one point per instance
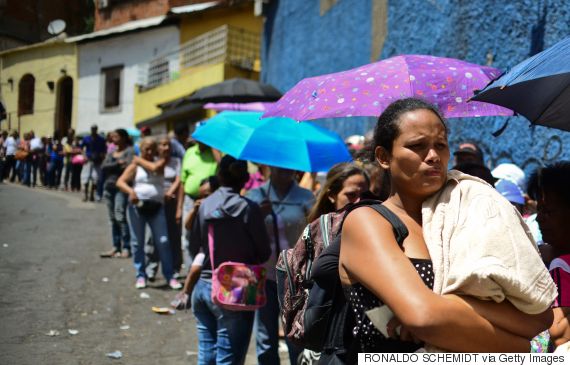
(396, 330)
(560, 329)
(133, 198)
(192, 214)
(172, 194)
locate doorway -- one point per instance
(64, 105)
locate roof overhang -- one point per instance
(132, 26)
(194, 8)
(175, 112)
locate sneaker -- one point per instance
(174, 284)
(141, 283)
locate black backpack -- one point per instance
(328, 321)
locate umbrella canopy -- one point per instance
(134, 132)
(369, 89)
(250, 107)
(279, 142)
(236, 91)
(537, 88)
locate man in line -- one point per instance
(36, 148)
(469, 152)
(95, 149)
(10, 146)
(200, 162)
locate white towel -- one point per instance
(480, 246)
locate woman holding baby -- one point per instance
(466, 278)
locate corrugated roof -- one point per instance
(123, 28)
(193, 8)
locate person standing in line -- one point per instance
(235, 226)
(3, 137)
(178, 143)
(26, 162)
(146, 197)
(67, 150)
(549, 187)
(171, 169)
(469, 152)
(77, 161)
(113, 166)
(200, 162)
(345, 184)
(410, 143)
(95, 149)
(55, 165)
(10, 147)
(285, 207)
(36, 147)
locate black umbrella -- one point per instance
(236, 91)
(538, 88)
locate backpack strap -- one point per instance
(400, 230)
(324, 225)
(211, 245)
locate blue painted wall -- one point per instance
(299, 43)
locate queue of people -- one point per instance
(203, 209)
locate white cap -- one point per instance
(510, 172)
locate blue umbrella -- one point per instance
(280, 142)
(537, 88)
(134, 132)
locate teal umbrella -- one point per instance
(134, 132)
(280, 142)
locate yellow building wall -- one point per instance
(194, 25)
(44, 62)
(146, 101)
(194, 78)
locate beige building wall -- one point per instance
(49, 63)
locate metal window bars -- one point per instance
(235, 46)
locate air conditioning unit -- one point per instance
(102, 4)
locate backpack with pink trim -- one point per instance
(294, 276)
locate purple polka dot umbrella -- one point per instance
(367, 90)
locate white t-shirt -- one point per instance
(171, 170)
(36, 144)
(11, 145)
(148, 186)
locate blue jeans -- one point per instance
(157, 223)
(267, 330)
(54, 173)
(27, 171)
(117, 207)
(223, 335)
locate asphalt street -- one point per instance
(62, 304)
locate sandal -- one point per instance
(110, 254)
(125, 254)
